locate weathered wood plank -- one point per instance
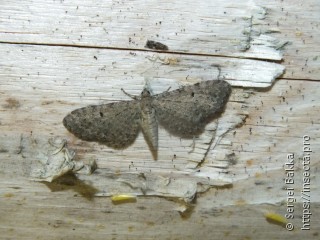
(92, 75)
(76, 53)
(297, 23)
(219, 28)
(239, 29)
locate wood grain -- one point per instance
(61, 55)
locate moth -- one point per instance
(156, 45)
(183, 112)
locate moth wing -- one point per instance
(186, 111)
(116, 125)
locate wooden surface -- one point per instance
(57, 56)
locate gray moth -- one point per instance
(183, 112)
(156, 45)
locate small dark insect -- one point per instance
(183, 112)
(156, 45)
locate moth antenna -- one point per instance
(130, 95)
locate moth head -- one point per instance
(145, 93)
